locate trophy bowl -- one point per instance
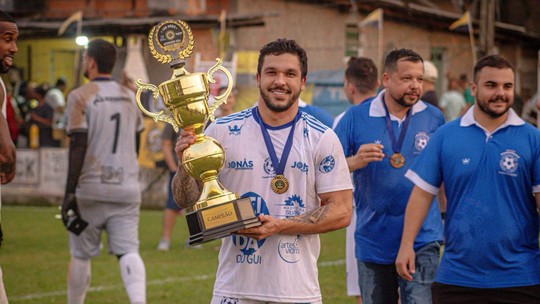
(218, 212)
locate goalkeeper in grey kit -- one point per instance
(102, 190)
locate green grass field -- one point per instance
(34, 258)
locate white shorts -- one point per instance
(119, 220)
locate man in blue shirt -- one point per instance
(489, 162)
(381, 138)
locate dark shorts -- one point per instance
(171, 204)
(444, 293)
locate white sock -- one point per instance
(78, 280)
(134, 277)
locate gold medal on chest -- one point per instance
(397, 160)
(279, 184)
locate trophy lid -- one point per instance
(171, 41)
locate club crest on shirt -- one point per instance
(268, 168)
(248, 247)
(421, 140)
(509, 162)
(327, 164)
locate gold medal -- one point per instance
(279, 184)
(397, 160)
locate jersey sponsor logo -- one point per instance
(466, 161)
(421, 140)
(111, 175)
(289, 250)
(248, 247)
(235, 130)
(293, 206)
(327, 164)
(509, 162)
(111, 98)
(240, 164)
(303, 167)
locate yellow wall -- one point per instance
(44, 60)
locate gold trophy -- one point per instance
(218, 212)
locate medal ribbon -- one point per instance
(396, 146)
(279, 166)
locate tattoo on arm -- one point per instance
(313, 217)
(186, 189)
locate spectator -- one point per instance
(452, 101)
(42, 116)
(431, 74)
(55, 99)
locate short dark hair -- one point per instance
(5, 17)
(281, 46)
(493, 61)
(362, 73)
(104, 53)
(390, 62)
(60, 82)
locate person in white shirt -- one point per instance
(277, 261)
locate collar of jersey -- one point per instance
(376, 108)
(256, 114)
(511, 120)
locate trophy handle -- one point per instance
(155, 93)
(223, 97)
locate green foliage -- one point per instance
(34, 258)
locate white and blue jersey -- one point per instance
(381, 191)
(491, 219)
(281, 268)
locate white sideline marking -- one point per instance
(202, 277)
(110, 287)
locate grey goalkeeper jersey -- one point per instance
(108, 112)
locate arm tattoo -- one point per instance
(313, 217)
(186, 189)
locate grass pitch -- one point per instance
(34, 258)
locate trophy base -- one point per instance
(221, 220)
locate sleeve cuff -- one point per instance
(422, 184)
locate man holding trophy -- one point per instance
(292, 169)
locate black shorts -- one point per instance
(444, 293)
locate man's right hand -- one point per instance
(366, 154)
(71, 216)
(185, 139)
(405, 262)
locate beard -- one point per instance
(3, 67)
(404, 103)
(276, 107)
(484, 106)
